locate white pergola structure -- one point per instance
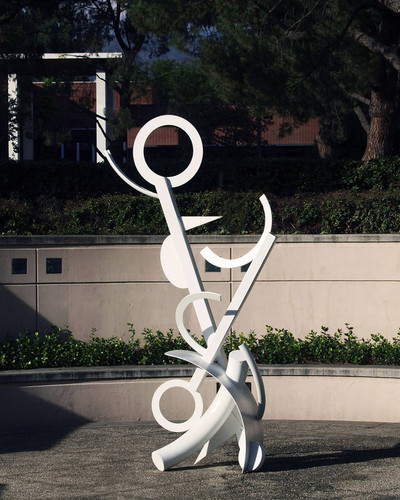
(20, 146)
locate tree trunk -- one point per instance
(383, 103)
(327, 138)
(325, 148)
(380, 137)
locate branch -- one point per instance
(393, 5)
(357, 109)
(362, 118)
(307, 13)
(359, 97)
(290, 31)
(265, 10)
(269, 12)
(390, 53)
(99, 8)
(108, 138)
(115, 17)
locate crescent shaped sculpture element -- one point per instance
(218, 261)
(183, 304)
(126, 179)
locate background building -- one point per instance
(71, 119)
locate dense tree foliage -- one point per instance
(331, 59)
(376, 27)
(334, 59)
(28, 28)
(32, 27)
(310, 57)
(183, 88)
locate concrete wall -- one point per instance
(106, 282)
(52, 398)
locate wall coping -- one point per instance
(84, 374)
(94, 240)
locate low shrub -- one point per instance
(306, 196)
(332, 213)
(58, 348)
(235, 171)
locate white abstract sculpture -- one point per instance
(234, 410)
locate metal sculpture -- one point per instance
(234, 410)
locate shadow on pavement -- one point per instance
(280, 464)
(203, 466)
(30, 423)
(292, 463)
(28, 441)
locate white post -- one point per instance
(13, 129)
(101, 105)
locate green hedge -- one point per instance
(28, 180)
(58, 348)
(306, 196)
(341, 212)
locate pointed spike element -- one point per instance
(191, 222)
(169, 256)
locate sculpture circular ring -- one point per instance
(176, 426)
(140, 141)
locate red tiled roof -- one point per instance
(303, 135)
(83, 92)
(163, 136)
(145, 98)
(168, 136)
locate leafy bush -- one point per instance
(378, 174)
(63, 180)
(306, 196)
(58, 348)
(15, 216)
(344, 212)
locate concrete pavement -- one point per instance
(305, 460)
